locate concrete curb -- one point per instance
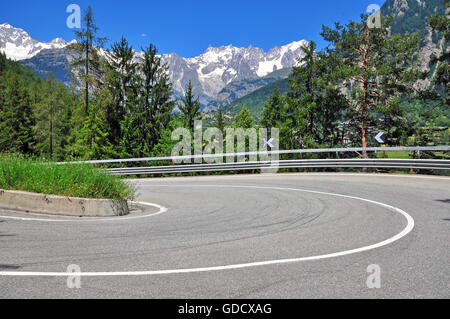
(62, 205)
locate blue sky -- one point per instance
(189, 27)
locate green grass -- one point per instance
(408, 155)
(395, 154)
(23, 174)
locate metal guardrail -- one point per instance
(418, 150)
(265, 165)
(334, 163)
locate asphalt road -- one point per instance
(269, 236)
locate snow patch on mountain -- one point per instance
(18, 45)
(218, 67)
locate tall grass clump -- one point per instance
(24, 174)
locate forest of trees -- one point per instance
(119, 107)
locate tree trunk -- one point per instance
(86, 93)
(51, 133)
(365, 102)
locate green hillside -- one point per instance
(27, 76)
(34, 113)
(255, 101)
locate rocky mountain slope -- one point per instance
(216, 68)
(412, 16)
(50, 60)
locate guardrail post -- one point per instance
(418, 154)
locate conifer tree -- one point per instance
(2, 63)
(220, 120)
(91, 140)
(45, 113)
(316, 104)
(86, 66)
(122, 82)
(274, 113)
(304, 84)
(376, 68)
(244, 119)
(2, 79)
(156, 103)
(16, 120)
(190, 106)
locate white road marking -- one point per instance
(162, 210)
(409, 227)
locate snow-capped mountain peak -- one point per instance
(6, 26)
(18, 45)
(218, 67)
(59, 41)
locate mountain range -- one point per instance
(219, 75)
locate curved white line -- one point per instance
(162, 210)
(409, 227)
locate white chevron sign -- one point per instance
(380, 138)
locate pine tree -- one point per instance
(220, 120)
(315, 102)
(122, 82)
(2, 79)
(304, 84)
(45, 118)
(190, 106)
(16, 120)
(52, 112)
(274, 112)
(63, 128)
(2, 63)
(244, 119)
(156, 104)
(376, 68)
(86, 66)
(276, 115)
(91, 140)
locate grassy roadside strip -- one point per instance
(23, 174)
(408, 155)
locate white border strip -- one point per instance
(409, 227)
(162, 210)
